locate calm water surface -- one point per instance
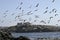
(37, 35)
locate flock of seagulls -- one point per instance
(30, 13)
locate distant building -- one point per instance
(19, 24)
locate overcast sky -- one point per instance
(44, 12)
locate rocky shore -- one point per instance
(28, 27)
(5, 32)
(8, 36)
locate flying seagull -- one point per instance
(51, 17)
(56, 14)
(17, 7)
(5, 15)
(56, 24)
(21, 3)
(46, 7)
(54, 10)
(37, 5)
(50, 12)
(35, 20)
(58, 20)
(42, 21)
(45, 11)
(29, 19)
(36, 16)
(28, 13)
(48, 21)
(6, 11)
(20, 8)
(12, 13)
(36, 10)
(53, 0)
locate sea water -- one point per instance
(37, 34)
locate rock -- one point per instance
(5, 36)
(8, 36)
(23, 38)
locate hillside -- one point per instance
(28, 27)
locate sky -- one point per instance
(42, 12)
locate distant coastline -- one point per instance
(28, 27)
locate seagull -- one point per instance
(50, 12)
(51, 17)
(9, 21)
(45, 11)
(46, 7)
(29, 19)
(17, 7)
(56, 14)
(54, 10)
(37, 5)
(53, 0)
(36, 10)
(2, 21)
(58, 20)
(24, 20)
(5, 15)
(48, 21)
(22, 11)
(28, 13)
(20, 8)
(21, 3)
(12, 13)
(20, 20)
(42, 21)
(15, 17)
(18, 16)
(6, 11)
(36, 16)
(56, 24)
(30, 6)
(35, 20)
